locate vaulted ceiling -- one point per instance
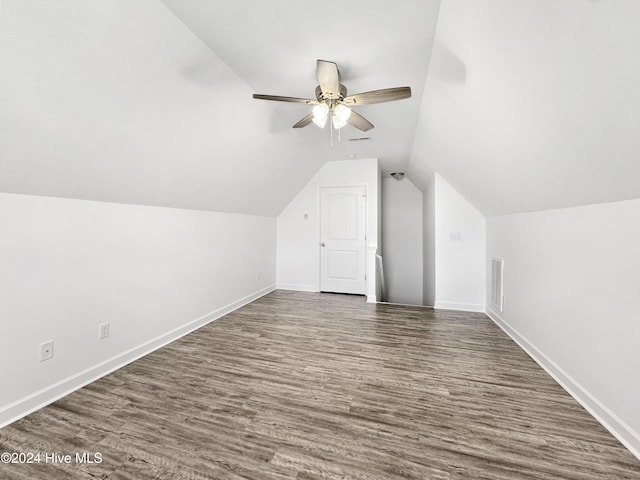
(521, 105)
(533, 104)
(147, 103)
(273, 47)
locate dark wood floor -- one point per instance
(309, 386)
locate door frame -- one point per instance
(366, 236)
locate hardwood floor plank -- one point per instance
(320, 386)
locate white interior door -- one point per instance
(342, 239)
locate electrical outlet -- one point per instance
(103, 330)
(455, 236)
(46, 350)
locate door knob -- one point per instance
(322, 244)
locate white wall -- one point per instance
(402, 240)
(429, 243)
(571, 281)
(298, 254)
(459, 251)
(153, 273)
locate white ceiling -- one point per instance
(527, 104)
(533, 104)
(120, 101)
(273, 47)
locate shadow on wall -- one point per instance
(447, 66)
(402, 240)
(203, 73)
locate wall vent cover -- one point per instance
(497, 297)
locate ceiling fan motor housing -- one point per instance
(331, 100)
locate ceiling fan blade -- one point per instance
(306, 120)
(358, 121)
(277, 98)
(378, 96)
(328, 78)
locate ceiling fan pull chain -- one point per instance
(331, 130)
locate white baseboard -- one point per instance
(618, 428)
(463, 307)
(298, 288)
(372, 299)
(35, 401)
(407, 305)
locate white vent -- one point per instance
(497, 267)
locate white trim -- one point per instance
(35, 401)
(463, 307)
(367, 275)
(497, 283)
(609, 420)
(406, 305)
(298, 288)
(371, 283)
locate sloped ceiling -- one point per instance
(533, 104)
(273, 46)
(527, 104)
(121, 101)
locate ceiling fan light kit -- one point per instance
(320, 114)
(341, 115)
(332, 100)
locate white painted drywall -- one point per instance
(151, 272)
(119, 101)
(269, 45)
(530, 105)
(298, 250)
(460, 251)
(571, 281)
(429, 243)
(402, 241)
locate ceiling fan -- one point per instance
(332, 100)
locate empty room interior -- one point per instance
(347, 240)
